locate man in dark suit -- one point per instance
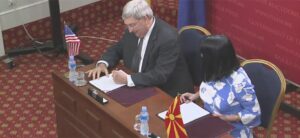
(149, 48)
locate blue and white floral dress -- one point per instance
(233, 95)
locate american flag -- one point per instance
(73, 42)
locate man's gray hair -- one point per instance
(137, 9)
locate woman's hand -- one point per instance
(229, 118)
(188, 97)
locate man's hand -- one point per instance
(95, 73)
(119, 76)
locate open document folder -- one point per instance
(189, 112)
(105, 83)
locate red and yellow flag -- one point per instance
(173, 121)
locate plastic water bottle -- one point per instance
(72, 69)
(144, 118)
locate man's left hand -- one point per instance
(119, 76)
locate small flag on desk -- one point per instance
(73, 42)
(173, 121)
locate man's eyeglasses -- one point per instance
(133, 25)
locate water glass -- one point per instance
(81, 81)
(137, 123)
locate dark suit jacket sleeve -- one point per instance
(113, 54)
(163, 55)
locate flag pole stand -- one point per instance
(57, 42)
(57, 46)
(84, 58)
(26, 50)
(57, 38)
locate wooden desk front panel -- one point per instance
(78, 116)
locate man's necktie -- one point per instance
(137, 57)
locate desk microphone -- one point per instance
(94, 94)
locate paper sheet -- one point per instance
(105, 83)
(189, 112)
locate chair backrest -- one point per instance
(269, 85)
(189, 41)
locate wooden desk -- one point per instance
(79, 115)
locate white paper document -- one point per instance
(189, 112)
(105, 83)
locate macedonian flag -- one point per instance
(173, 121)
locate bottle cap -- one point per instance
(144, 108)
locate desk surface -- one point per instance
(126, 115)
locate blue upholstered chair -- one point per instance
(189, 41)
(269, 84)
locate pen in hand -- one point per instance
(114, 72)
(119, 76)
(186, 99)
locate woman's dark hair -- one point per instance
(218, 58)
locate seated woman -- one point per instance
(226, 90)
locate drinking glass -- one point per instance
(80, 79)
(137, 123)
